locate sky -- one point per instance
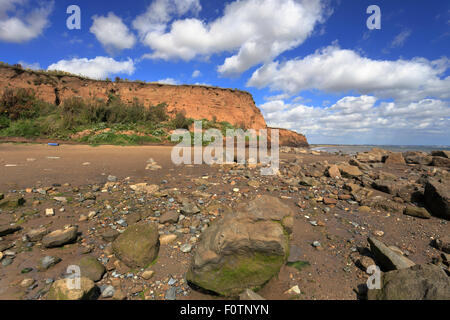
(312, 66)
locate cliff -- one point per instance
(197, 102)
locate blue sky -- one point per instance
(311, 65)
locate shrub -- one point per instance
(181, 122)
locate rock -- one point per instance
(333, 172)
(12, 202)
(294, 290)
(417, 157)
(144, 188)
(171, 294)
(59, 238)
(437, 198)
(387, 186)
(395, 158)
(308, 182)
(49, 212)
(419, 282)
(243, 249)
(382, 203)
(348, 171)
(108, 292)
(441, 162)
(36, 235)
(110, 235)
(373, 156)
(91, 268)
(386, 258)
(189, 208)
(27, 282)
(119, 295)
(186, 248)
(148, 274)
(443, 244)
(112, 178)
(138, 246)
(169, 217)
(133, 218)
(60, 290)
(167, 238)
(47, 262)
(329, 201)
(417, 212)
(8, 229)
(441, 153)
(250, 295)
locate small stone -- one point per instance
(166, 239)
(171, 294)
(47, 262)
(186, 248)
(49, 212)
(148, 274)
(27, 282)
(108, 292)
(294, 290)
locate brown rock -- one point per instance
(437, 198)
(348, 171)
(417, 212)
(59, 238)
(395, 158)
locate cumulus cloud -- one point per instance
(337, 70)
(97, 68)
(359, 119)
(18, 25)
(160, 12)
(112, 33)
(196, 74)
(256, 31)
(168, 81)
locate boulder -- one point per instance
(386, 258)
(395, 158)
(443, 244)
(8, 229)
(91, 268)
(417, 157)
(441, 162)
(382, 203)
(169, 217)
(333, 171)
(36, 235)
(373, 156)
(419, 282)
(138, 245)
(437, 198)
(441, 153)
(61, 291)
(348, 171)
(110, 235)
(242, 250)
(417, 212)
(59, 238)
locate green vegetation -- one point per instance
(94, 121)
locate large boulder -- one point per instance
(437, 198)
(395, 158)
(138, 246)
(91, 268)
(420, 282)
(244, 249)
(387, 258)
(441, 153)
(417, 157)
(59, 238)
(61, 291)
(441, 162)
(349, 171)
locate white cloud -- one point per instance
(256, 31)
(168, 81)
(97, 68)
(400, 39)
(160, 12)
(18, 27)
(196, 74)
(112, 33)
(32, 66)
(338, 70)
(360, 120)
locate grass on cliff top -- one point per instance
(96, 121)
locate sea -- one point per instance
(353, 149)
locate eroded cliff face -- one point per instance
(198, 102)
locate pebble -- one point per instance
(186, 248)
